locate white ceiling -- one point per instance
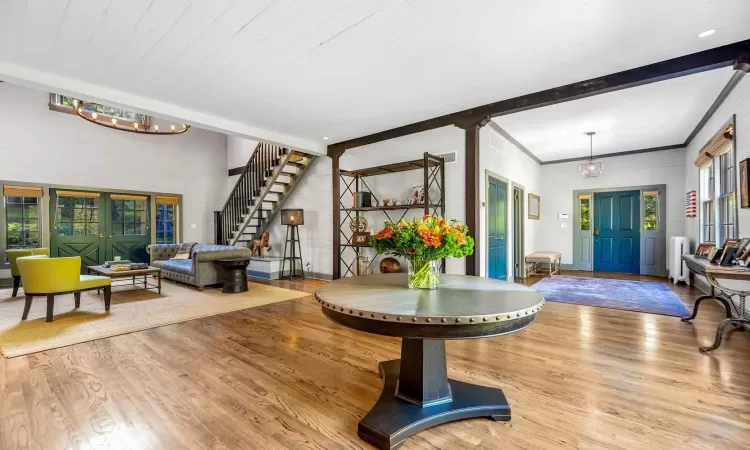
(302, 69)
(653, 115)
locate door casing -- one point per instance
(658, 268)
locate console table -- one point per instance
(711, 272)
(417, 393)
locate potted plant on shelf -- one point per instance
(423, 243)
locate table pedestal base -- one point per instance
(392, 420)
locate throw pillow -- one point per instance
(186, 248)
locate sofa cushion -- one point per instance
(175, 265)
(186, 250)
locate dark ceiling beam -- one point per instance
(711, 59)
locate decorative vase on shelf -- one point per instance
(423, 243)
(423, 274)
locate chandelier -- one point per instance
(591, 168)
(131, 126)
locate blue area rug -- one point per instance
(643, 296)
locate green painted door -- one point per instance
(497, 228)
(99, 226)
(78, 226)
(127, 227)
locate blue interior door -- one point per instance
(497, 225)
(617, 240)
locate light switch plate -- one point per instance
(562, 216)
(564, 225)
(193, 226)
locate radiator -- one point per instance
(678, 270)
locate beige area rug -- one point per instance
(131, 310)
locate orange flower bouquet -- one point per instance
(423, 242)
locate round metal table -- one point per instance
(417, 393)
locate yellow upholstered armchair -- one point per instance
(13, 255)
(42, 276)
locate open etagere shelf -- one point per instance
(352, 181)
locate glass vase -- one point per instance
(423, 274)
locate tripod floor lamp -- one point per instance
(292, 218)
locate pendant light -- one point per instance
(591, 168)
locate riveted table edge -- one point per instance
(435, 320)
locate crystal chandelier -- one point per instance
(591, 168)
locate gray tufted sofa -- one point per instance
(200, 270)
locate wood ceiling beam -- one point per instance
(664, 70)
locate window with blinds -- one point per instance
(166, 219)
(718, 187)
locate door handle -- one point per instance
(596, 231)
(101, 235)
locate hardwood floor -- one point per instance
(283, 376)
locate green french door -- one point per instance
(99, 226)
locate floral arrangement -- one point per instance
(423, 242)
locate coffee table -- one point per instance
(132, 274)
(417, 393)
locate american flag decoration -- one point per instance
(690, 204)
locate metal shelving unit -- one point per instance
(352, 181)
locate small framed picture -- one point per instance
(712, 253)
(417, 195)
(535, 206)
(704, 250)
(361, 238)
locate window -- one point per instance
(585, 210)
(718, 185)
(66, 104)
(22, 216)
(651, 211)
(166, 219)
(77, 214)
(129, 215)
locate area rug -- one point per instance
(131, 310)
(643, 296)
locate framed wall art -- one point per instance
(535, 207)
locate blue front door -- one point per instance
(497, 224)
(617, 240)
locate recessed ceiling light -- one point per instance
(325, 138)
(706, 33)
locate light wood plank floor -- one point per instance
(283, 376)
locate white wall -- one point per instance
(500, 156)
(239, 151)
(313, 194)
(737, 103)
(43, 146)
(560, 180)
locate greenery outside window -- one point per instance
(129, 215)
(77, 214)
(23, 205)
(584, 203)
(651, 211)
(166, 219)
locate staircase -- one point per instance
(268, 180)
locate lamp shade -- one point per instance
(292, 217)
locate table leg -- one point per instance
(696, 305)
(159, 278)
(739, 322)
(417, 394)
